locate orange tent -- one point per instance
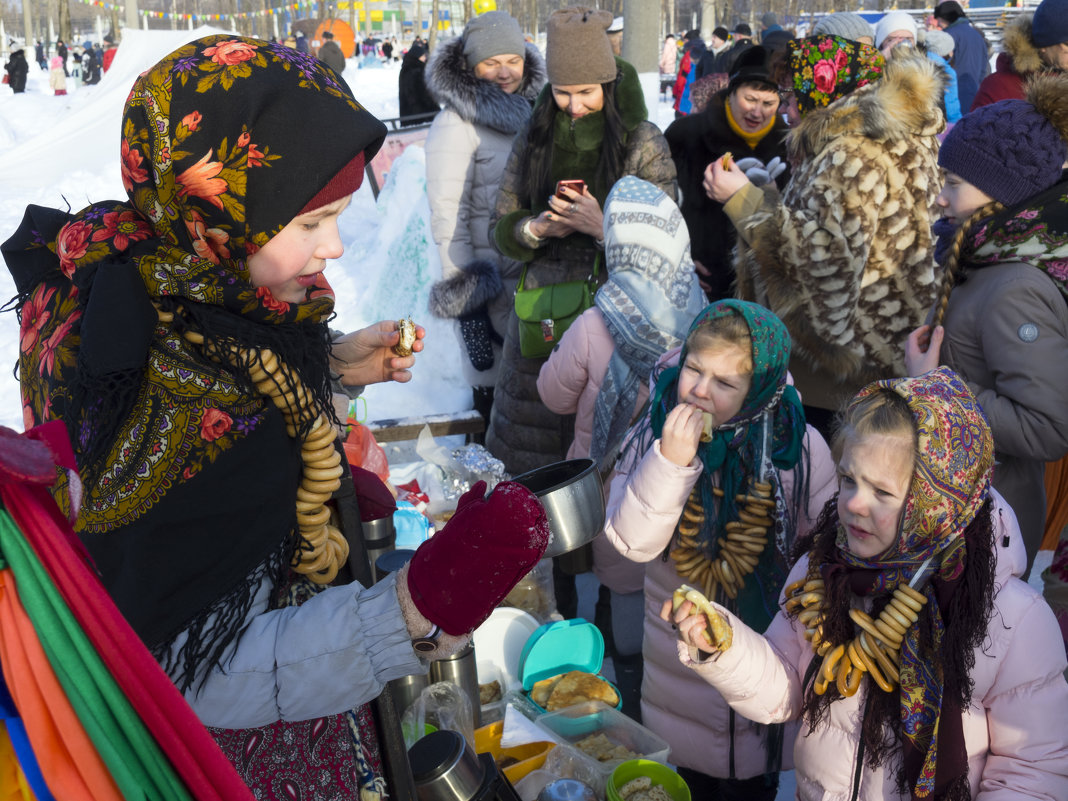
(343, 35)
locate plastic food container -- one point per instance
(583, 720)
(561, 647)
(528, 757)
(660, 775)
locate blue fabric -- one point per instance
(950, 97)
(970, 60)
(651, 296)
(16, 732)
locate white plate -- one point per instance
(500, 640)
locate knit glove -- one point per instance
(759, 173)
(461, 573)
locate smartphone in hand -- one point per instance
(575, 184)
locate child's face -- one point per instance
(290, 262)
(716, 379)
(960, 199)
(874, 475)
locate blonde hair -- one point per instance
(882, 412)
(953, 258)
(730, 329)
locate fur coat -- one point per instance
(845, 256)
(1018, 60)
(466, 150)
(523, 433)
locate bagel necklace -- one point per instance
(323, 548)
(744, 539)
(876, 650)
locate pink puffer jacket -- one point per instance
(1015, 731)
(569, 383)
(643, 509)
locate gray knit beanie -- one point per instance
(939, 42)
(1050, 24)
(845, 24)
(577, 50)
(492, 34)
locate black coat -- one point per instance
(695, 140)
(413, 95)
(17, 68)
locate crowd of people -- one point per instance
(814, 335)
(84, 63)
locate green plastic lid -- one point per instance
(559, 647)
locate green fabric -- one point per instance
(736, 449)
(139, 768)
(506, 239)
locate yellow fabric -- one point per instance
(751, 139)
(13, 786)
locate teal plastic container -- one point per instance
(560, 647)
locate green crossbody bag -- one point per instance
(546, 313)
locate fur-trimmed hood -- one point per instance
(1016, 42)
(455, 86)
(906, 103)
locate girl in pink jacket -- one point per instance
(674, 502)
(921, 666)
(600, 371)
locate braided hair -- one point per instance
(955, 257)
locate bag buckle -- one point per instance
(547, 327)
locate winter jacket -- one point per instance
(331, 55)
(845, 256)
(695, 141)
(1014, 730)
(971, 59)
(1018, 59)
(108, 57)
(1007, 336)
(687, 75)
(950, 97)
(17, 69)
(466, 150)
(522, 432)
(669, 56)
(57, 81)
(644, 506)
(412, 95)
(569, 383)
(570, 380)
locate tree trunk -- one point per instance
(432, 36)
(708, 18)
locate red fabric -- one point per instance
(346, 182)
(460, 574)
(1004, 83)
(375, 499)
(109, 56)
(181, 736)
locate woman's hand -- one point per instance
(581, 211)
(681, 434)
(923, 349)
(719, 183)
(365, 356)
(692, 628)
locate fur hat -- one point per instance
(751, 66)
(494, 33)
(845, 24)
(894, 21)
(577, 50)
(1050, 24)
(1012, 149)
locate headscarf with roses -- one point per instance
(190, 472)
(826, 68)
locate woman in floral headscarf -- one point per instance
(181, 335)
(675, 500)
(922, 666)
(844, 255)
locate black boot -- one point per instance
(483, 397)
(629, 672)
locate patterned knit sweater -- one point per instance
(845, 255)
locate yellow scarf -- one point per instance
(751, 139)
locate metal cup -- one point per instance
(461, 670)
(379, 537)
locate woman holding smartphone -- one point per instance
(588, 126)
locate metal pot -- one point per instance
(445, 767)
(573, 498)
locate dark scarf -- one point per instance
(191, 476)
(737, 451)
(950, 485)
